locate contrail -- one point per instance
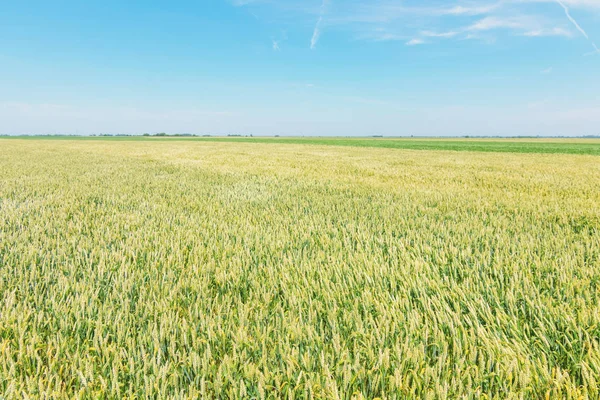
(316, 34)
(579, 28)
(596, 50)
(317, 30)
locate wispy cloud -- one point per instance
(413, 22)
(461, 21)
(546, 71)
(277, 41)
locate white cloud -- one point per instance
(546, 71)
(415, 42)
(471, 10)
(489, 23)
(431, 34)
(402, 20)
(380, 35)
(549, 32)
(588, 4)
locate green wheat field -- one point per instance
(299, 269)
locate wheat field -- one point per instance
(197, 269)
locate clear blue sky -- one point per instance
(301, 67)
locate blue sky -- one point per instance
(301, 67)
